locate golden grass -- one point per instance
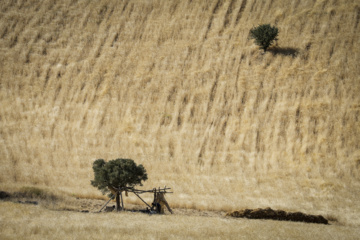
(178, 87)
(34, 222)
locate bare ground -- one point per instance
(75, 204)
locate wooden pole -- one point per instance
(122, 201)
(142, 199)
(107, 203)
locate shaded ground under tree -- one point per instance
(286, 51)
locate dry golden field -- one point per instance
(177, 86)
(33, 222)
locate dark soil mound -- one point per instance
(4, 195)
(269, 213)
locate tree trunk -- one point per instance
(118, 208)
(115, 192)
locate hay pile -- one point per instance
(269, 213)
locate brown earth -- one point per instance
(68, 203)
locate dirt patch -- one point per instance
(69, 203)
(66, 203)
(269, 213)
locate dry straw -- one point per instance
(178, 87)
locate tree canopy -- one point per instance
(264, 35)
(117, 174)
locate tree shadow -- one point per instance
(286, 51)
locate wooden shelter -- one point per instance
(157, 206)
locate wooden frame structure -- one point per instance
(158, 198)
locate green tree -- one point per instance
(264, 35)
(116, 175)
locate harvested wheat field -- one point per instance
(179, 87)
(39, 223)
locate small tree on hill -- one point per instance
(264, 35)
(115, 175)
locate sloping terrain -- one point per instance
(178, 87)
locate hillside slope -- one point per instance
(178, 87)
